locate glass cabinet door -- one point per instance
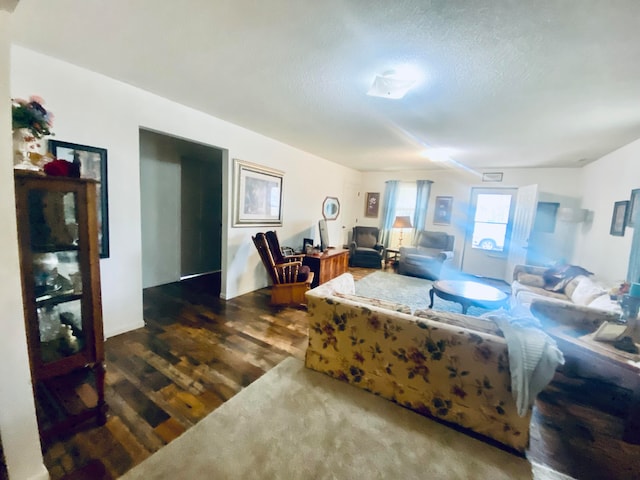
(57, 273)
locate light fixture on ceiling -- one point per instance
(395, 83)
(437, 155)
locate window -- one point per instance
(406, 202)
(490, 221)
(405, 206)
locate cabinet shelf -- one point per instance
(57, 298)
(54, 248)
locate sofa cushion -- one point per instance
(429, 252)
(530, 279)
(376, 302)
(434, 240)
(586, 292)
(460, 320)
(604, 302)
(365, 239)
(571, 286)
(365, 251)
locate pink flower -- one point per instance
(37, 99)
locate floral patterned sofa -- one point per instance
(450, 366)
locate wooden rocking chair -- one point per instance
(290, 279)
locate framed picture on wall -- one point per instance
(619, 218)
(257, 199)
(634, 207)
(93, 164)
(372, 205)
(442, 212)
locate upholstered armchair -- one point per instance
(426, 258)
(365, 249)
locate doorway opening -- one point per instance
(181, 209)
(488, 233)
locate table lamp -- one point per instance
(401, 223)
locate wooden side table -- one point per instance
(391, 257)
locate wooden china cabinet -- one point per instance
(60, 266)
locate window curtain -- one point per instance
(422, 202)
(633, 272)
(388, 210)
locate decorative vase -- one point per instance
(26, 150)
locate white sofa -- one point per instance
(579, 300)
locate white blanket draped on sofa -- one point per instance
(533, 355)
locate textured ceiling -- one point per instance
(508, 83)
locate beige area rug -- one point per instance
(294, 423)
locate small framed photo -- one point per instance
(373, 205)
(442, 212)
(634, 207)
(257, 195)
(619, 218)
(93, 164)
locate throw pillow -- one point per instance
(559, 286)
(571, 286)
(586, 292)
(530, 279)
(376, 302)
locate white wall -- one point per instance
(608, 180)
(160, 207)
(92, 109)
(458, 183)
(18, 427)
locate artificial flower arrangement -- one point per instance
(31, 115)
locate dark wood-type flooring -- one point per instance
(196, 351)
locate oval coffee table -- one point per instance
(468, 293)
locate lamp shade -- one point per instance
(402, 222)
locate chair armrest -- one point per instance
(444, 256)
(379, 247)
(287, 272)
(352, 248)
(288, 264)
(293, 258)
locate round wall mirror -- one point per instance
(330, 208)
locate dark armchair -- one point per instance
(365, 249)
(426, 258)
(290, 279)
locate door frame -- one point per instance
(468, 237)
